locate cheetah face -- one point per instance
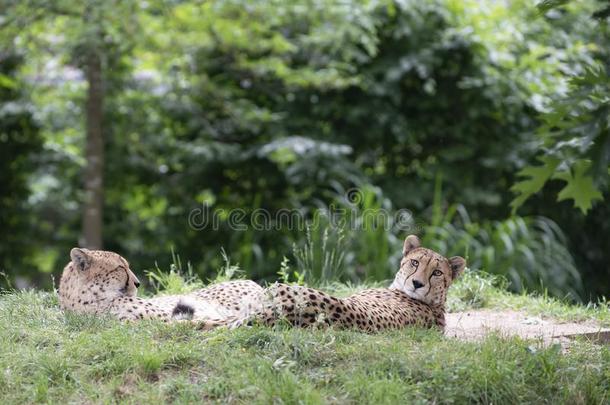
(425, 275)
(95, 276)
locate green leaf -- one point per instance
(534, 179)
(547, 5)
(579, 187)
(7, 82)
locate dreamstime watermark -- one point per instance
(348, 215)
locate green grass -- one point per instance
(49, 356)
(480, 290)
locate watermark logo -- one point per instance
(350, 213)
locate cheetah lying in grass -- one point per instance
(416, 297)
(101, 282)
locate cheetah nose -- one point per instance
(136, 283)
(417, 284)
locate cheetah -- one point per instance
(100, 282)
(417, 296)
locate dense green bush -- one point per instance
(20, 144)
(531, 253)
(275, 105)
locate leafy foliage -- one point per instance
(574, 134)
(217, 108)
(536, 177)
(20, 142)
(579, 186)
(530, 253)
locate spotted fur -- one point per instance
(101, 282)
(416, 297)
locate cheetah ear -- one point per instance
(411, 242)
(457, 264)
(80, 258)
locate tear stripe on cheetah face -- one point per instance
(101, 282)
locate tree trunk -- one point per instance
(94, 154)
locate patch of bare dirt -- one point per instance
(476, 324)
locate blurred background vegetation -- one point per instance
(487, 120)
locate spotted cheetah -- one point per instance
(99, 282)
(416, 297)
(102, 282)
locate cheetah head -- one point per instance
(425, 275)
(95, 277)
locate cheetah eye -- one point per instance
(437, 273)
(414, 263)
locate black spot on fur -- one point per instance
(183, 310)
